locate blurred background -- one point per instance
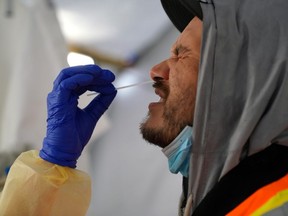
(38, 39)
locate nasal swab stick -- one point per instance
(127, 86)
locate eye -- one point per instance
(175, 54)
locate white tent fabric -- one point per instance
(33, 51)
(118, 29)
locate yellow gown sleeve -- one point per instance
(36, 187)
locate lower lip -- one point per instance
(154, 105)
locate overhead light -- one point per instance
(75, 59)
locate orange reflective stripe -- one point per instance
(276, 201)
(260, 197)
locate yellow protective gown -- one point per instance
(36, 187)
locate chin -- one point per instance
(156, 134)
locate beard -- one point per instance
(177, 114)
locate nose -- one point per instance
(160, 71)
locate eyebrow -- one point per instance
(178, 49)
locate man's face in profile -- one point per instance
(175, 83)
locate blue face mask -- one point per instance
(178, 152)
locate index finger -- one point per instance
(103, 75)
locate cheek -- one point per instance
(182, 96)
(181, 102)
(184, 86)
(185, 74)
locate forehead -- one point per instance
(191, 36)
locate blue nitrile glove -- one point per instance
(69, 128)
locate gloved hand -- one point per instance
(69, 128)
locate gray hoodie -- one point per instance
(242, 95)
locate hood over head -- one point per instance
(181, 12)
(242, 93)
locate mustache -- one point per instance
(158, 84)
